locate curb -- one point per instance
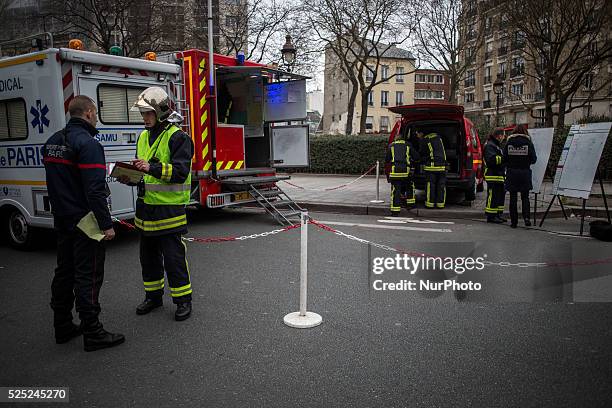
(365, 209)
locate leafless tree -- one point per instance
(447, 38)
(568, 42)
(135, 25)
(361, 33)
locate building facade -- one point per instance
(431, 86)
(396, 64)
(499, 53)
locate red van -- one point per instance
(463, 150)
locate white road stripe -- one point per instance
(392, 227)
(414, 220)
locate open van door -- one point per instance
(290, 146)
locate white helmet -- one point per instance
(153, 99)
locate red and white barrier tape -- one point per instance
(331, 188)
(124, 223)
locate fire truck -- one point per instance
(234, 162)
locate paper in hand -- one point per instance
(89, 225)
(126, 169)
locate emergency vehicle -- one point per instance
(234, 162)
(463, 149)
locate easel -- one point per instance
(584, 200)
(558, 197)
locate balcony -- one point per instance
(517, 45)
(487, 79)
(515, 72)
(486, 104)
(469, 82)
(501, 51)
(539, 96)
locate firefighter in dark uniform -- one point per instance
(76, 181)
(495, 171)
(398, 155)
(164, 154)
(519, 155)
(433, 155)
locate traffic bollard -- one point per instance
(303, 319)
(378, 200)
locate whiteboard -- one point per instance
(580, 158)
(285, 101)
(290, 146)
(542, 139)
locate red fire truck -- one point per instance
(249, 124)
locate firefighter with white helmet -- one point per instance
(164, 154)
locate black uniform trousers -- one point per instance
(78, 277)
(165, 252)
(435, 189)
(514, 206)
(401, 187)
(496, 197)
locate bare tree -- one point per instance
(447, 38)
(568, 44)
(361, 33)
(136, 25)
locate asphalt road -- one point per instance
(531, 342)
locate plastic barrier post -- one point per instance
(303, 319)
(378, 200)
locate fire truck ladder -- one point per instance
(266, 192)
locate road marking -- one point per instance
(392, 227)
(405, 220)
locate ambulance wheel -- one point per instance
(20, 234)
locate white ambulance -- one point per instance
(35, 90)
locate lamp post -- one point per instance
(498, 88)
(288, 51)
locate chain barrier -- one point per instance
(241, 238)
(331, 188)
(124, 223)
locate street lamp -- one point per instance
(288, 52)
(498, 88)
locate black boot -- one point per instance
(527, 222)
(493, 219)
(183, 311)
(66, 332)
(96, 338)
(148, 305)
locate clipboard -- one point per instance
(126, 169)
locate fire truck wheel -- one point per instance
(20, 234)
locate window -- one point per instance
(428, 94)
(114, 103)
(384, 72)
(370, 98)
(13, 120)
(369, 123)
(384, 98)
(517, 89)
(400, 75)
(231, 22)
(439, 79)
(469, 97)
(588, 81)
(369, 75)
(384, 123)
(399, 98)
(501, 70)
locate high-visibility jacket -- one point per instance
(162, 191)
(398, 155)
(495, 168)
(433, 153)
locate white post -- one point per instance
(303, 319)
(378, 200)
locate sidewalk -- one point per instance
(320, 192)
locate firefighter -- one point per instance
(495, 171)
(76, 181)
(433, 154)
(519, 155)
(398, 155)
(164, 154)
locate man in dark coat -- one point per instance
(519, 155)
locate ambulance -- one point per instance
(234, 162)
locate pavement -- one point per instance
(550, 349)
(348, 194)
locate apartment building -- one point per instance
(397, 65)
(499, 53)
(431, 86)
